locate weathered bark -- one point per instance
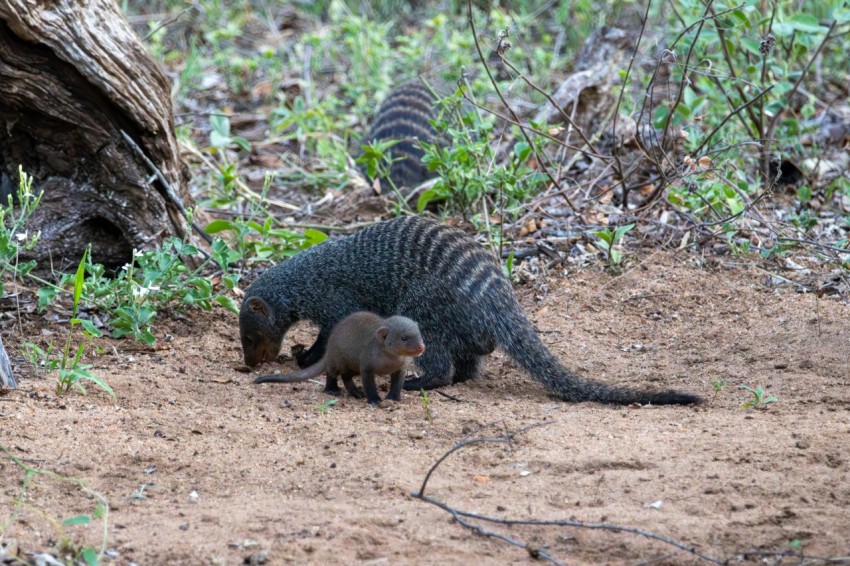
(7, 380)
(73, 76)
(591, 85)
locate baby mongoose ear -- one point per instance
(381, 334)
(259, 306)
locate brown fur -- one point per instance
(367, 345)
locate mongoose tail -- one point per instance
(298, 376)
(525, 347)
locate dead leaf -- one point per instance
(528, 228)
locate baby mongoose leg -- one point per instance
(396, 385)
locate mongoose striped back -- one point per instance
(434, 274)
(404, 115)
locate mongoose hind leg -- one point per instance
(352, 389)
(436, 367)
(332, 387)
(315, 352)
(467, 367)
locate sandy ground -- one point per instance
(200, 466)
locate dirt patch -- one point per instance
(199, 465)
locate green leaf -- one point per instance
(607, 236)
(619, 232)
(735, 205)
(315, 236)
(218, 140)
(242, 143)
(217, 226)
(79, 279)
(805, 23)
(522, 151)
(89, 327)
(220, 124)
(99, 381)
(89, 556)
(426, 198)
(46, 295)
(77, 520)
(751, 45)
(228, 303)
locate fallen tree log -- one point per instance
(7, 380)
(87, 113)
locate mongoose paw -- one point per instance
(424, 382)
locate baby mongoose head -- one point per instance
(261, 338)
(401, 337)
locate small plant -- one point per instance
(759, 401)
(324, 407)
(39, 357)
(509, 266)
(72, 552)
(14, 236)
(425, 400)
(71, 371)
(609, 241)
(718, 386)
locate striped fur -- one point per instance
(434, 274)
(404, 115)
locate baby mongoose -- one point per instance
(434, 274)
(367, 345)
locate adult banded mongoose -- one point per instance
(434, 274)
(367, 345)
(405, 115)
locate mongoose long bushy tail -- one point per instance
(405, 116)
(525, 347)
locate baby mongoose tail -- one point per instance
(305, 374)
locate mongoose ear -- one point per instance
(382, 333)
(259, 306)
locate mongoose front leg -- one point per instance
(352, 389)
(436, 366)
(367, 376)
(315, 352)
(396, 385)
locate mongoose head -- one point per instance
(261, 336)
(401, 337)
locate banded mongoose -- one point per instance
(405, 115)
(367, 345)
(434, 274)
